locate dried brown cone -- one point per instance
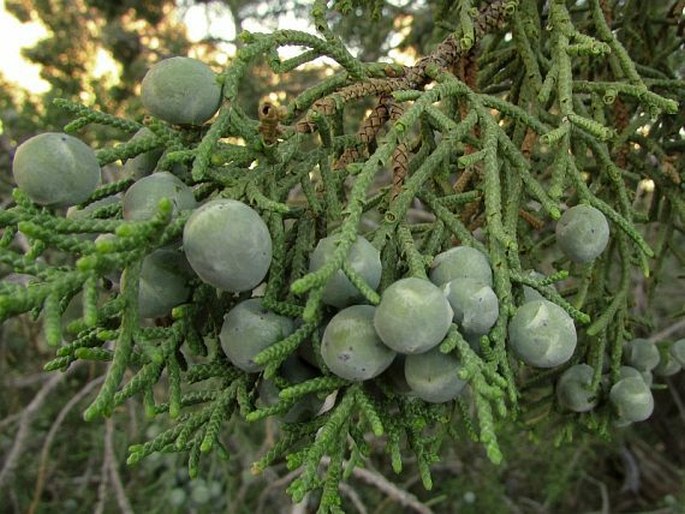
(621, 121)
(674, 13)
(528, 143)
(464, 179)
(373, 87)
(490, 16)
(531, 219)
(400, 156)
(378, 116)
(467, 71)
(606, 10)
(669, 170)
(400, 167)
(305, 126)
(366, 135)
(328, 105)
(477, 218)
(270, 117)
(470, 214)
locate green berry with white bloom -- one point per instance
(582, 233)
(56, 169)
(362, 257)
(434, 376)
(413, 316)
(475, 305)
(542, 334)
(350, 346)
(460, 262)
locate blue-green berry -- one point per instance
(460, 262)
(475, 305)
(434, 376)
(677, 351)
(668, 365)
(350, 346)
(573, 389)
(641, 354)
(228, 245)
(632, 399)
(542, 334)
(141, 200)
(249, 328)
(582, 233)
(413, 316)
(56, 169)
(181, 90)
(163, 283)
(144, 163)
(362, 257)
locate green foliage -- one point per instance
(516, 115)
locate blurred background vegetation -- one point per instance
(96, 52)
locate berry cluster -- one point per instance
(387, 280)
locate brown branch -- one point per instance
(677, 399)
(621, 121)
(375, 479)
(491, 16)
(27, 381)
(467, 71)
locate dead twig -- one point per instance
(604, 492)
(676, 399)
(5, 422)
(112, 464)
(27, 416)
(28, 380)
(276, 484)
(349, 491)
(669, 330)
(631, 482)
(110, 474)
(399, 495)
(102, 489)
(40, 479)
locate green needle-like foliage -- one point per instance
(518, 114)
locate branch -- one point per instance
(404, 498)
(111, 460)
(27, 418)
(40, 479)
(349, 491)
(671, 329)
